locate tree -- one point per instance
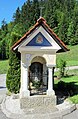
(4, 27)
(74, 26)
(25, 16)
(35, 11)
(62, 29)
(61, 64)
(3, 33)
(16, 16)
(13, 75)
(50, 13)
(70, 32)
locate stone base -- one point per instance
(50, 92)
(38, 100)
(24, 94)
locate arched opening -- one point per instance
(36, 71)
(38, 76)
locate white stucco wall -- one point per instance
(51, 59)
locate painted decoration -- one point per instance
(39, 40)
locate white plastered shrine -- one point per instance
(38, 46)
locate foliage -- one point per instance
(13, 74)
(3, 33)
(36, 84)
(68, 79)
(74, 99)
(8, 93)
(61, 64)
(16, 16)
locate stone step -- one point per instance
(40, 110)
(37, 101)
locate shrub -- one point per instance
(61, 65)
(36, 84)
(13, 74)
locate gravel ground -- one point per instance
(2, 86)
(2, 81)
(73, 115)
(2, 93)
(2, 116)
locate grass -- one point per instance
(74, 99)
(68, 79)
(3, 66)
(71, 57)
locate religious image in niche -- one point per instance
(39, 39)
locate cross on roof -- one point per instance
(41, 8)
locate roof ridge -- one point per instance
(41, 19)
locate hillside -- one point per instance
(71, 57)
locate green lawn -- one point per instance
(71, 57)
(68, 79)
(3, 66)
(74, 99)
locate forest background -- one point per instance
(61, 16)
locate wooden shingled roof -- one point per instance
(42, 22)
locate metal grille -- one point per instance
(36, 83)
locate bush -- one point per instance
(61, 65)
(13, 74)
(13, 78)
(36, 84)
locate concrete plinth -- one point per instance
(36, 101)
(24, 94)
(50, 93)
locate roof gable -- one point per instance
(41, 22)
(31, 40)
(39, 40)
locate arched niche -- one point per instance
(38, 73)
